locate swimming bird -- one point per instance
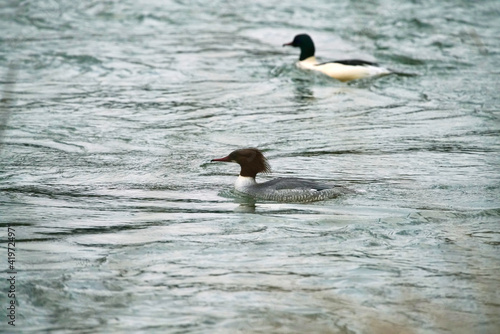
(283, 189)
(343, 70)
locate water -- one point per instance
(123, 224)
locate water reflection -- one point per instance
(303, 91)
(246, 208)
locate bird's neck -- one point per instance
(306, 52)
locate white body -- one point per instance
(342, 72)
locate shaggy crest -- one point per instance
(251, 160)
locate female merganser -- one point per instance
(343, 70)
(283, 189)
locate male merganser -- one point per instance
(283, 189)
(343, 70)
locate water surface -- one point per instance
(123, 224)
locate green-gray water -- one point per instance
(113, 110)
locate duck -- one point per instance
(342, 70)
(282, 189)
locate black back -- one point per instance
(352, 62)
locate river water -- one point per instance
(112, 111)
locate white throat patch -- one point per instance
(244, 182)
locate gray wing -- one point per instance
(283, 183)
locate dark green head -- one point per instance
(306, 45)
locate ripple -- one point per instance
(122, 223)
